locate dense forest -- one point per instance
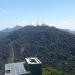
(53, 46)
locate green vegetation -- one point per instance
(50, 71)
(54, 47)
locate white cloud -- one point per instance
(60, 24)
(64, 25)
(23, 23)
(3, 12)
(27, 22)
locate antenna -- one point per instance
(42, 21)
(37, 22)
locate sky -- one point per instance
(58, 13)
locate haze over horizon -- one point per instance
(58, 13)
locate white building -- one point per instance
(31, 66)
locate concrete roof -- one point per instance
(15, 69)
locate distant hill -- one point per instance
(12, 29)
(70, 31)
(73, 32)
(9, 30)
(54, 47)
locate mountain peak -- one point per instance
(12, 29)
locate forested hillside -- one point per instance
(54, 47)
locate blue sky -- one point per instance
(59, 13)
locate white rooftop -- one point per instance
(33, 60)
(15, 69)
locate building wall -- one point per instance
(35, 69)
